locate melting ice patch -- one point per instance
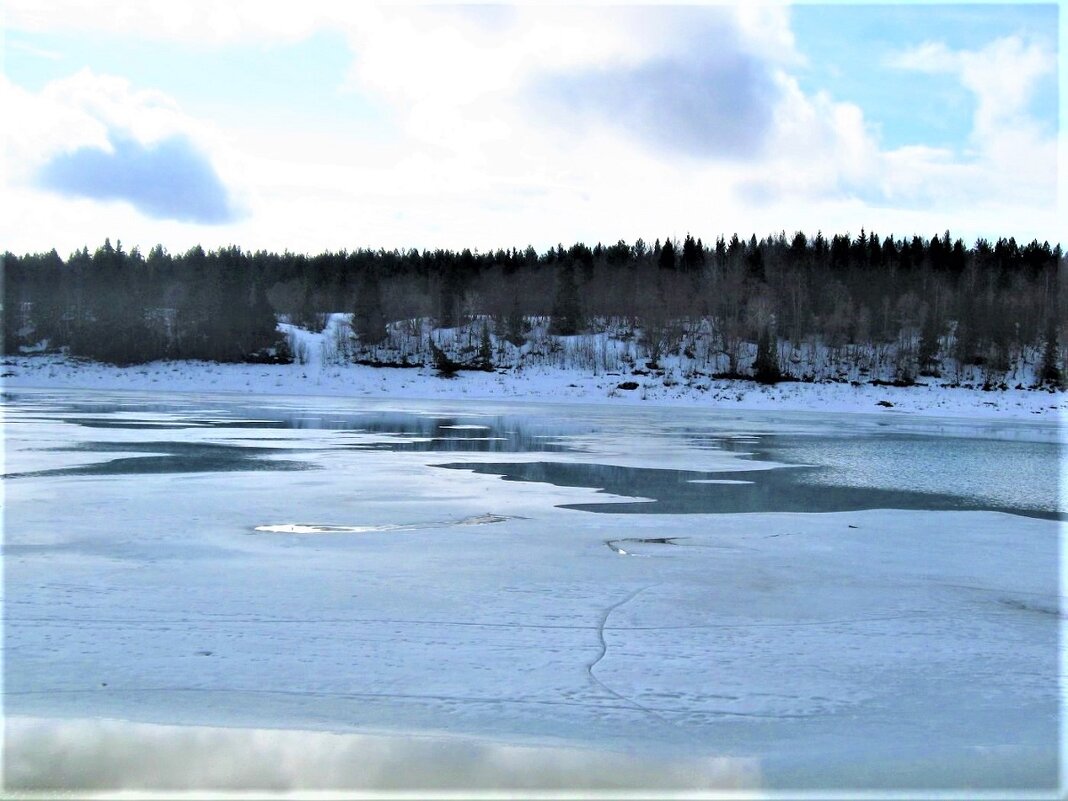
(317, 528)
(644, 540)
(302, 528)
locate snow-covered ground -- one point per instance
(325, 370)
(473, 628)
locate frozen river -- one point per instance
(850, 602)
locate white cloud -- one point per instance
(457, 81)
(767, 32)
(36, 52)
(1011, 156)
(199, 22)
(825, 153)
(46, 126)
(80, 110)
(820, 148)
(474, 163)
(88, 112)
(1002, 76)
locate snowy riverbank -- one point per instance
(542, 384)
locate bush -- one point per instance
(445, 366)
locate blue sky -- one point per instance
(847, 48)
(325, 125)
(271, 82)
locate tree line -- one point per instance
(934, 299)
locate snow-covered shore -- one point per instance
(325, 368)
(541, 384)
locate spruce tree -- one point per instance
(515, 324)
(754, 263)
(1050, 372)
(445, 366)
(266, 342)
(929, 344)
(368, 319)
(766, 364)
(693, 254)
(567, 311)
(666, 257)
(485, 348)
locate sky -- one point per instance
(320, 125)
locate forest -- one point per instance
(776, 308)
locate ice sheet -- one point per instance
(920, 646)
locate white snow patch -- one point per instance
(325, 375)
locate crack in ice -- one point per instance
(604, 650)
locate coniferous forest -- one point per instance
(777, 308)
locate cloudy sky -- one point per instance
(317, 125)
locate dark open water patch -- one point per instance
(785, 489)
(833, 470)
(173, 457)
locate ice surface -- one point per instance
(871, 649)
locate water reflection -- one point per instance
(387, 431)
